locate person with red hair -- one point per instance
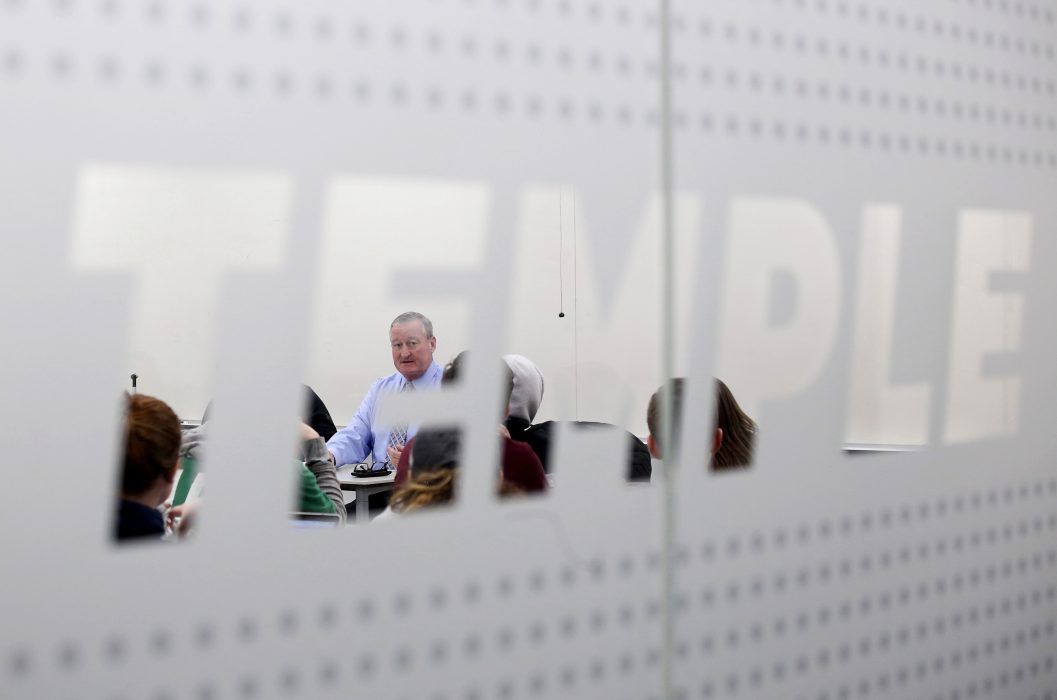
(151, 455)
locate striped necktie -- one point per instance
(398, 435)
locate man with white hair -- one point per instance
(413, 344)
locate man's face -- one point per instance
(412, 350)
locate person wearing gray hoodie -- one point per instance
(525, 401)
(318, 488)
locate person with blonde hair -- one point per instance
(434, 467)
(733, 437)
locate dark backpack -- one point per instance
(538, 437)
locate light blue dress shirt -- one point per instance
(363, 436)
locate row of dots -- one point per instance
(883, 682)
(782, 581)
(289, 680)
(959, 542)
(936, 28)
(867, 140)
(907, 62)
(867, 98)
(156, 73)
(115, 649)
(242, 19)
(824, 90)
(1016, 8)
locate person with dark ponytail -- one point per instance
(151, 455)
(734, 435)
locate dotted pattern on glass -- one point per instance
(1002, 88)
(954, 52)
(1011, 618)
(994, 600)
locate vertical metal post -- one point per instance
(668, 349)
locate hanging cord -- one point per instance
(1006, 311)
(576, 318)
(561, 260)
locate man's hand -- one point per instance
(394, 454)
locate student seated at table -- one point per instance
(318, 488)
(319, 491)
(734, 434)
(434, 471)
(519, 465)
(151, 454)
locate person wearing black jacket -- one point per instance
(525, 402)
(314, 414)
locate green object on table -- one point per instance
(188, 472)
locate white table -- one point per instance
(364, 487)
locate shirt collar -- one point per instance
(430, 376)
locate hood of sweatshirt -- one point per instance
(527, 395)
